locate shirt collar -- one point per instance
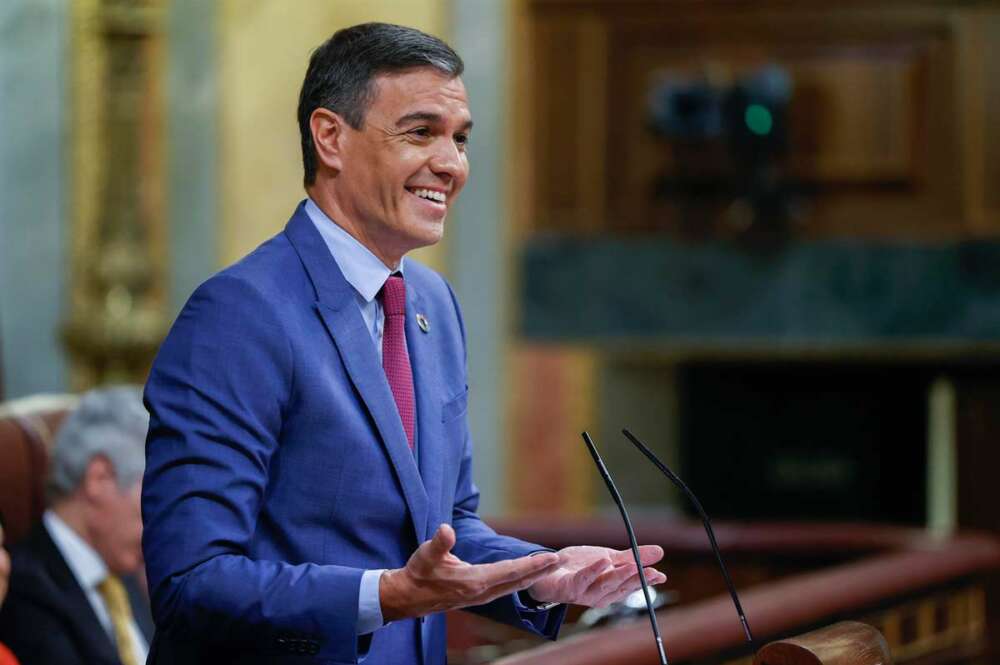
(86, 564)
(362, 269)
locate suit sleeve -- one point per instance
(216, 395)
(477, 542)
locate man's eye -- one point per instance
(462, 139)
(422, 132)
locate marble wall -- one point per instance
(34, 196)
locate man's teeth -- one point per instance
(430, 194)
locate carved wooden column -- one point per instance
(117, 314)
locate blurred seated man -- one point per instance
(68, 604)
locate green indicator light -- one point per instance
(758, 119)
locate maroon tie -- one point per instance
(395, 360)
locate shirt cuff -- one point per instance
(369, 607)
(523, 602)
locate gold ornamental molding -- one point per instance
(117, 301)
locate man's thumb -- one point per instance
(442, 542)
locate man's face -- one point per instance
(403, 169)
(116, 527)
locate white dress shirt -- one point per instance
(89, 570)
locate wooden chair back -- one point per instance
(27, 431)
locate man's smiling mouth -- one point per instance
(429, 195)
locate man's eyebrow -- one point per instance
(428, 116)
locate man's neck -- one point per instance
(73, 514)
(326, 202)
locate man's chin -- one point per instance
(126, 565)
(428, 233)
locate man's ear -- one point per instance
(328, 130)
(98, 477)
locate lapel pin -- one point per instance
(424, 324)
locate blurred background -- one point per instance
(765, 236)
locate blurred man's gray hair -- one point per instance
(108, 422)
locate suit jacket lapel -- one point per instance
(427, 388)
(95, 643)
(337, 309)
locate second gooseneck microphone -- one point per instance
(675, 479)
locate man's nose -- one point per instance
(448, 160)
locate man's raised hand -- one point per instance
(435, 580)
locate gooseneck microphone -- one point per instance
(704, 518)
(631, 539)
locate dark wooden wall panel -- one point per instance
(876, 122)
(977, 424)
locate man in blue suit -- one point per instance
(308, 493)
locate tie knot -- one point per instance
(112, 590)
(393, 295)
(111, 584)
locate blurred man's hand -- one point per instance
(596, 576)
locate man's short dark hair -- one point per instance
(342, 71)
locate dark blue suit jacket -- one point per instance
(278, 469)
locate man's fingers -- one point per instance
(586, 576)
(608, 582)
(653, 576)
(618, 581)
(442, 542)
(619, 594)
(513, 571)
(648, 554)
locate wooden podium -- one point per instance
(926, 595)
(844, 643)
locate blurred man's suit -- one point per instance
(278, 469)
(47, 619)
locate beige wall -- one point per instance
(264, 48)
